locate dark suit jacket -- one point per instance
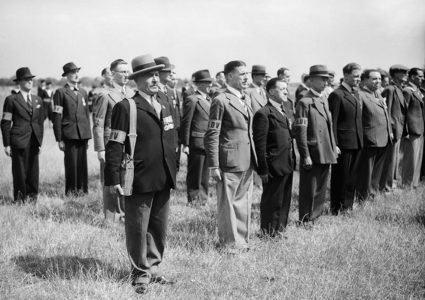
(273, 142)
(376, 124)
(154, 153)
(397, 108)
(196, 112)
(257, 100)
(313, 130)
(415, 111)
(346, 119)
(71, 115)
(300, 92)
(228, 141)
(19, 122)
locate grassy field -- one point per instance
(60, 248)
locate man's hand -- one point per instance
(116, 189)
(264, 178)
(7, 151)
(186, 150)
(61, 146)
(391, 136)
(101, 156)
(338, 151)
(216, 174)
(307, 163)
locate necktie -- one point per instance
(29, 103)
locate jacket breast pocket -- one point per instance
(231, 157)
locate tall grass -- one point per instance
(60, 247)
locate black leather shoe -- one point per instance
(141, 288)
(162, 280)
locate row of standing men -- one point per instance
(243, 129)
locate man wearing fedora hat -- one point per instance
(397, 110)
(22, 130)
(346, 109)
(146, 210)
(196, 111)
(113, 205)
(165, 78)
(231, 156)
(71, 125)
(256, 90)
(316, 145)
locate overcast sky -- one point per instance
(198, 34)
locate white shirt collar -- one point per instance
(25, 94)
(349, 88)
(315, 93)
(202, 94)
(234, 92)
(276, 104)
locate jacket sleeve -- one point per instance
(57, 115)
(189, 105)
(334, 107)
(115, 146)
(260, 127)
(100, 106)
(300, 128)
(211, 139)
(6, 121)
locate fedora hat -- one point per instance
(163, 60)
(69, 67)
(258, 70)
(23, 73)
(202, 76)
(144, 64)
(319, 70)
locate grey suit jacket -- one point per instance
(257, 100)
(375, 120)
(228, 142)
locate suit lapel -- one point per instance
(71, 93)
(23, 103)
(144, 104)
(400, 96)
(350, 98)
(236, 103)
(275, 113)
(320, 107)
(204, 104)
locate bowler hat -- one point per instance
(319, 70)
(144, 64)
(23, 73)
(69, 67)
(163, 60)
(258, 70)
(399, 68)
(202, 76)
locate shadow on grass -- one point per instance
(57, 187)
(68, 267)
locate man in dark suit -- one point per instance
(166, 78)
(146, 210)
(303, 88)
(256, 90)
(397, 108)
(71, 125)
(346, 111)
(196, 111)
(22, 130)
(276, 163)
(113, 205)
(232, 159)
(316, 145)
(377, 135)
(413, 139)
(284, 74)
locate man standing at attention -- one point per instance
(71, 125)
(397, 109)
(196, 112)
(231, 156)
(412, 141)
(22, 131)
(276, 160)
(113, 204)
(165, 79)
(256, 90)
(146, 210)
(316, 144)
(346, 110)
